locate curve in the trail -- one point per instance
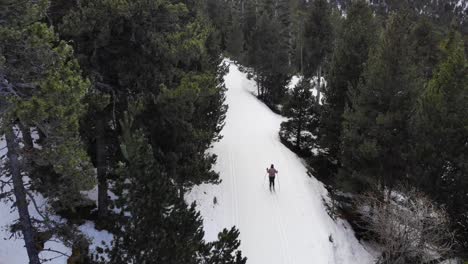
(290, 226)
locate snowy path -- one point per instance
(290, 226)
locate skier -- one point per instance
(271, 175)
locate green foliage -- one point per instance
(354, 40)
(47, 94)
(439, 125)
(424, 43)
(183, 125)
(270, 59)
(375, 134)
(158, 226)
(249, 20)
(43, 92)
(318, 37)
(301, 110)
(167, 53)
(138, 40)
(235, 38)
(149, 222)
(223, 250)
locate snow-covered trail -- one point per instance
(290, 226)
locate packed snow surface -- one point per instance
(289, 226)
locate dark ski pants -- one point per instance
(272, 182)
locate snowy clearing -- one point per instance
(290, 226)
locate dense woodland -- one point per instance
(389, 112)
(127, 96)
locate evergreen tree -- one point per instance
(235, 38)
(158, 226)
(42, 92)
(218, 12)
(298, 16)
(249, 20)
(375, 135)
(223, 250)
(424, 44)
(439, 130)
(285, 16)
(318, 40)
(145, 233)
(183, 125)
(349, 58)
(297, 131)
(144, 48)
(269, 56)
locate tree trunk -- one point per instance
(27, 139)
(258, 86)
(262, 91)
(41, 135)
(20, 195)
(181, 192)
(302, 56)
(298, 135)
(319, 83)
(101, 169)
(28, 148)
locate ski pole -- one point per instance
(279, 185)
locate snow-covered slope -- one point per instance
(290, 226)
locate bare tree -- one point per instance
(410, 227)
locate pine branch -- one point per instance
(61, 254)
(45, 218)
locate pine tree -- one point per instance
(158, 226)
(224, 249)
(439, 127)
(146, 234)
(302, 118)
(318, 40)
(285, 16)
(375, 135)
(298, 16)
(424, 43)
(151, 49)
(348, 61)
(249, 20)
(183, 126)
(42, 92)
(269, 56)
(235, 38)
(218, 12)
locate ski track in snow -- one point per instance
(289, 226)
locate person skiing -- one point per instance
(271, 175)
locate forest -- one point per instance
(379, 109)
(122, 99)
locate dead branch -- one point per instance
(411, 229)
